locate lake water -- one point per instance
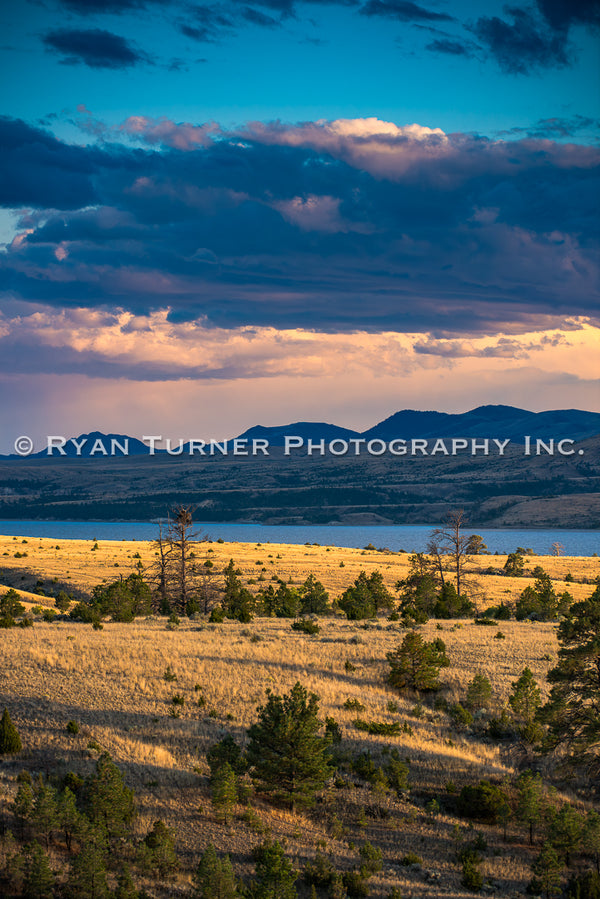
(412, 538)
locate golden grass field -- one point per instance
(111, 682)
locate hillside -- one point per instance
(111, 683)
(509, 490)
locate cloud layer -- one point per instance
(344, 225)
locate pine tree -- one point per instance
(125, 886)
(10, 741)
(226, 750)
(366, 597)
(70, 818)
(573, 710)
(479, 693)
(591, 837)
(275, 877)
(23, 806)
(39, 879)
(87, 879)
(44, 816)
(415, 665)
(214, 878)
(531, 801)
(514, 565)
(315, 598)
(548, 867)
(286, 755)
(525, 697)
(238, 602)
(566, 831)
(157, 851)
(110, 804)
(224, 791)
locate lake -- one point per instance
(412, 538)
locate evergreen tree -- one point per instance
(287, 757)
(525, 697)
(226, 750)
(366, 597)
(70, 819)
(87, 879)
(281, 603)
(214, 878)
(314, 597)
(275, 877)
(531, 801)
(125, 886)
(548, 867)
(157, 851)
(123, 599)
(10, 741)
(476, 545)
(418, 593)
(540, 601)
(479, 693)
(44, 816)
(514, 565)
(415, 664)
(10, 605)
(566, 831)
(591, 837)
(573, 710)
(23, 806)
(238, 602)
(39, 879)
(109, 802)
(224, 791)
(451, 604)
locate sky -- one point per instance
(216, 215)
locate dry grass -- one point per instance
(75, 564)
(112, 683)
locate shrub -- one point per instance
(72, 727)
(306, 626)
(378, 728)
(411, 858)
(354, 705)
(482, 802)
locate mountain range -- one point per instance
(485, 421)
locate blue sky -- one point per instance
(283, 210)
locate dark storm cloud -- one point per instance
(523, 44)
(38, 170)
(93, 47)
(403, 11)
(322, 226)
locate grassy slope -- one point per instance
(111, 682)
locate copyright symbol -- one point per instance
(24, 445)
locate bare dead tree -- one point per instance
(175, 575)
(452, 543)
